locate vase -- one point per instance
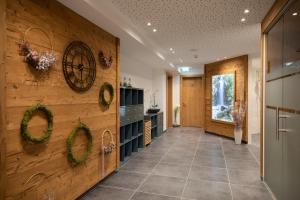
(238, 132)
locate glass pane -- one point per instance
(222, 97)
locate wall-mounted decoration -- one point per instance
(79, 66)
(223, 97)
(109, 88)
(108, 148)
(40, 61)
(70, 141)
(105, 62)
(28, 116)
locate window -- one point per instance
(222, 97)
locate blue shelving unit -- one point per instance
(131, 121)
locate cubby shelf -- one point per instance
(156, 124)
(132, 121)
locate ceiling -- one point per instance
(199, 31)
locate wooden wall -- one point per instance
(239, 66)
(47, 164)
(2, 101)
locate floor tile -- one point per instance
(250, 193)
(177, 158)
(123, 179)
(144, 156)
(210, 152)
(138, 166)
(209, 174)
(101, 193)
(245, 177)
(172, 170)
(207, 190)
(235, 154)
(209, 161)
(169, 186)
(242, 164)
(146, 196)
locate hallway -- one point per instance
(186, 164)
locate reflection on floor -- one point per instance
(186, 164)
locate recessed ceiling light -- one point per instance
(225, 57)
(243, 20)
(148, 24)
(171, 49)
(246, 11)
(295, 14)
(173, 52)
(154, 30)
(172, 65)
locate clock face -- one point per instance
(79, 66)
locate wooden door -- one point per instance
(170, 101)
(192, 104)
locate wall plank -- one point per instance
(47, 163)
(239, 66)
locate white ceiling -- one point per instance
(210, 29)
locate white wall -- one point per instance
(141, 77)
(151, 80)
(159, 87)
(253, 95)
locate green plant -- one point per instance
(70, 140)
(28, 116)
(106, 86)
(176, 111)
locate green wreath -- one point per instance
(70, 140)
(106, 86)
(28, 116)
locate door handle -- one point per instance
(283, 131)
(284, 116)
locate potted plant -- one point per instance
(176, 111)
(238, 115)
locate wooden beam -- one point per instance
(273, 14)
(2, 101)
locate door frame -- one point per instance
(273, 15)
(169, 100)
(203, 90)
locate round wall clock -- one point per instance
(79, 66)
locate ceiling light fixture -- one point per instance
(172, 65)
(173, 52)
(225, 57)
(243, 20)
(154, 30)
(171, 49)
(246, 11)
(148, 24)
(295, 14)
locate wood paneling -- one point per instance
(34, 171)
(192, 101)
(239, 66)
(170, 101)
(273, 14)
(2, 101)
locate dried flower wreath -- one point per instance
(106, 62)
(40, 61)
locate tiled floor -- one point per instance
(186, 164)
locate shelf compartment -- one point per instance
(122, 134)
(140, 126)
(122, 97)
(128, 132)
(135, 145)
(134, 97)
(153, 132)
(128, 149)
(135, 129)
(122, 153)
(140, 96)
(128, 97)
(141, 141)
